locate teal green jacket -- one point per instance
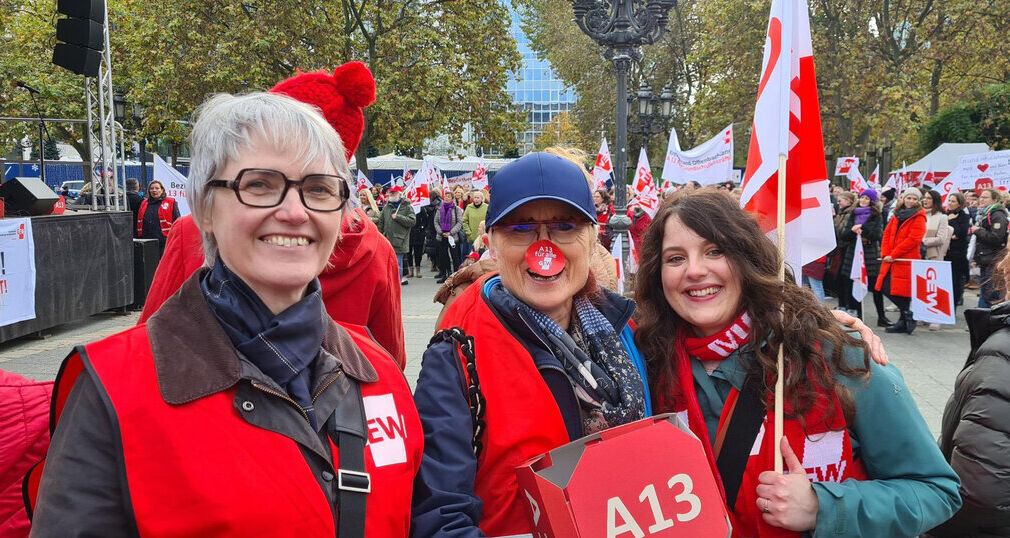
(912, 490)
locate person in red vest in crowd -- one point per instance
(712, 313)
(157, 213)
(240, 407)
(24, 428)
(360, 285)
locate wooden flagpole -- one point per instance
(781, 226)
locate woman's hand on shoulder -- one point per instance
(877, 352)
(788, 501)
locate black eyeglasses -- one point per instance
(261, 187)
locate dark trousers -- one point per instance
(448, 257)
(959, 273)
(415, 254)
(988, 292)
(903, 303)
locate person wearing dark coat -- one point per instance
(867, 224)
(973, 435)
(418, 234)
(957, 254)
(990, 242)
(133, 198)
(835, 281)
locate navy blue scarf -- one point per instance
(282, 346)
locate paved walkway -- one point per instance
(929, 360)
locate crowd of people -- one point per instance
(969, 230)
(262, 391)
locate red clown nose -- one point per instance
(545, 258)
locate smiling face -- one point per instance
(549, 295)
(864, 201)
(699, 282)
(985, 199)
(155, 189)
(911, 201)
(278, 250)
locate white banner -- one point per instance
(603, 166)
(17, 271)
(932, 291)
(174, 182)
(615, 252)
(709, 163)
(982, 170)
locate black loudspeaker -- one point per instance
(146, 254)
(27, 196)
(80, 60)
(84, 9)
(80, 32)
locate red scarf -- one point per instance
(721, 344)
(824, 447)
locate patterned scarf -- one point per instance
(607, 384)
(282, 346)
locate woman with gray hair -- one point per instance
(240, 407)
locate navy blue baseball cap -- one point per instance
(538, 176)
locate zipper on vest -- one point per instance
(326, 385)
(268, 390)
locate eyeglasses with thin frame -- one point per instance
(262, 187)
(561, 232)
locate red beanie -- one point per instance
(340, 97)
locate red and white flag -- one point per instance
(649, 200)
(408, 178)
(844, 165)
(860, 284)
(932, 291)
(479, 178)
(945, 188)
(615, 252)
(929, 177)
(874, 179)
(603, 167)
(856, 181)
(633, 255)
(892, 182)
(362, 182)
(643, 174)
(418, 190)
(787, 121)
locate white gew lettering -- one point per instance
(822, 456)
(386, 432)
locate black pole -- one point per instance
(42, 133)
(143, 163)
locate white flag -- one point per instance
(708, 163)
(603, 167)
(844, 165)
(615, 251)
(945, 188)
(874, 179)
(860, 285)
(932, 291)
(362, 183)
(479, 178)
(643, 174)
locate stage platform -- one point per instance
(83, 266)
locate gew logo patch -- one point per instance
(386, 430)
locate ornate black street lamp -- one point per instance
(132, 114)
(654, 112)
(622, 26)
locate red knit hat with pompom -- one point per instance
(340, 96)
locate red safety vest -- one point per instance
(199, 469)
(522, 417)
(824, 449)
(165, 211)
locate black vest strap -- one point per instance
(741, 431)
(347, 429)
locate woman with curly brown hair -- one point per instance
(712, 313)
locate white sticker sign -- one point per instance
(386, 430)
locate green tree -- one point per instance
(983, 117)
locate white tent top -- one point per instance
(391, 161)
(945, 157)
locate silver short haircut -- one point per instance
(225, 128)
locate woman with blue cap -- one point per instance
(529, 359)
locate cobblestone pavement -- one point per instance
(929, 360)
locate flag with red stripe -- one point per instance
(787, 121)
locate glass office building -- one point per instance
(536, 89)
